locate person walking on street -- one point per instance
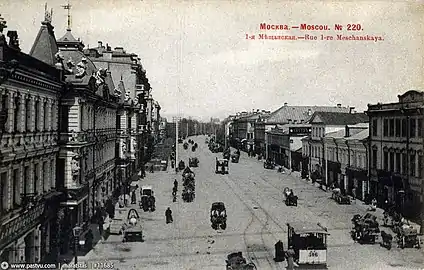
(101, 222)
(168, 215)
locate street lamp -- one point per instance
(76, 231)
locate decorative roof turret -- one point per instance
(45, 47)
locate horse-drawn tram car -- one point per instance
(309, 243)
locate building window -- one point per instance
(386, 161)
(16, 114)
(412, 127)
(412, 166)
(404, 163)
(420, 166)
(26, 180)
(374, 127)
(392, 127)
(397, 169)
(16, 187)
(27, 115)
(392, 161)
(374, 158)
(386, 127)
(3, 192)
(36, 185)
(404, 128)
(45, 178)
(420, 126)
(46, 116)
(37, 115)
(397, 127)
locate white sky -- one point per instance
(200, 48)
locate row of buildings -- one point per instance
(376, 154)
(77, 125)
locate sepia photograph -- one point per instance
(211, 134)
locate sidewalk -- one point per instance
(81, 252)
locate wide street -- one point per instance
(257, 219)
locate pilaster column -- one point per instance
(31, 117)
(22, 114)
(49, 115)
(52, 174)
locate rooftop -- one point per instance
(287, 113)
(45, 47)
(339, 118)
(360, 135)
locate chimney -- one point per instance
(351, 109)
(309, 112)
(108, 48)
(119, 49)
(99, 44)
(339, 105)
(285, 104)
(347, 133)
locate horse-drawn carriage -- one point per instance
(221, 166)
(147, 200)
(188, 193)
(407, 236)
(218, 216)
(290, 198)
(269, 164)
(133, 230)
(193, 162)
(365, 228)
(236, 261)
(181, 165)
(340, 197)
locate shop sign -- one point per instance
(300, 131)
(21, 224)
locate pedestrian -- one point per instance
(354, 194)
(133, 197)
(101, 222)
(168, 215)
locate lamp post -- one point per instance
(76, 231)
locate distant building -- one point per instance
(283, 130)
(396, 152)
(323, 123)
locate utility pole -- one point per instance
(326, 164)
(176, 144)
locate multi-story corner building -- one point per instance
(345, 157)
(284, 129)
(396, 148)
(289, 115)
(29, 99)
(323, 123)
(87, 123)
(126, 69)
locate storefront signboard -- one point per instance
(300, 131)
(16, 227)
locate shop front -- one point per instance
(75, 210)
(357, 182)
(49, 228)
(305, 167)
(334, 169)
(20, 239)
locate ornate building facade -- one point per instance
(88, 113)
(30, 89)
(396, 153)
